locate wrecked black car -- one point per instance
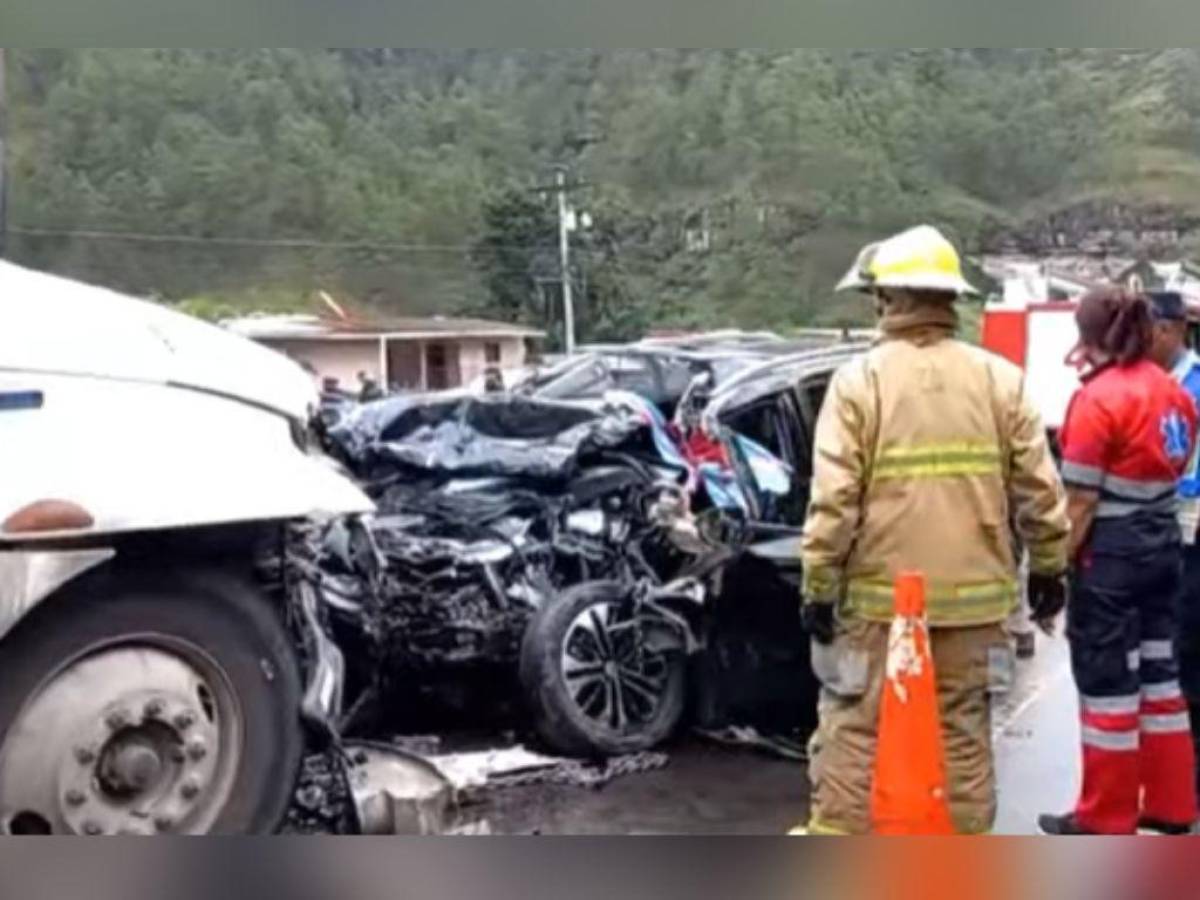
(661, 369)
(614, 568)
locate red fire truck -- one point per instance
(1033, 325)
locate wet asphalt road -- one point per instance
(705, 789)
(710, 789)
(1038, 756)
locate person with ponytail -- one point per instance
(1129, 434)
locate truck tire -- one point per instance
(591, 690)
(141, 704)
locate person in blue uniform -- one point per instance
(1171, 351)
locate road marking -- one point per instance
(1033, 770)
(1039, 691)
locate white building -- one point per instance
(399, 354)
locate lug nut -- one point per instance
(92, 829)
(177, 755)
(189, 790)
(154, 709)
(184, 721)
(76, 797)
(85, 755)
(116, 720)
(197, 751)
(163, 823)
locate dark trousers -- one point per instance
(1138, 758)
(1189, 643)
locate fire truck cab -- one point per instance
(1033, 324)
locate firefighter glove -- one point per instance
(818, 621)
(1047, 598)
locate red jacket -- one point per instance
(1129, 434)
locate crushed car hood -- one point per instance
(56, 325)
(472, 436)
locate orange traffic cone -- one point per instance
(909, 793)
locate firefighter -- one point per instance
(1172, 353)
(926, 449)
(1128, 435)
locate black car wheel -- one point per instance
(593, 688)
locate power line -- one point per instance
(626, 247)
(297, 243)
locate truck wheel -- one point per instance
(141, 705)
(593, 690)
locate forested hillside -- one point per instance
(723, 186)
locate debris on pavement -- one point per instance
(374, 789)
(475, 774)
(397, 793)
(421, 745)
(321, 800)
(365, 788)
(473, 771)
(745, 736)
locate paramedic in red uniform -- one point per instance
(1127, 438)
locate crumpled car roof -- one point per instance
(503, 435)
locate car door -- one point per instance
(810, 396)
(758, 669)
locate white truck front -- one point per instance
(146, 684)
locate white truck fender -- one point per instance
(138, 456)
(27, 577)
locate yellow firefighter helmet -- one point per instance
(919, 259)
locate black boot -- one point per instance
(1157, 827)
(1066, 825)
(1194, 714)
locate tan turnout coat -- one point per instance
(928, 454)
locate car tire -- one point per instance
(142, 628)
(575, 715)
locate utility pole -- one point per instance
(3, 157)
(564, 254)
(568, 220)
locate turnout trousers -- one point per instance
(971, 665)
(1138, 759)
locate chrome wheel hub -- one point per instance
(126, 740)
(610, 676)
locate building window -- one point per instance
(436, 376)
(441, 366)
(491, 354)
